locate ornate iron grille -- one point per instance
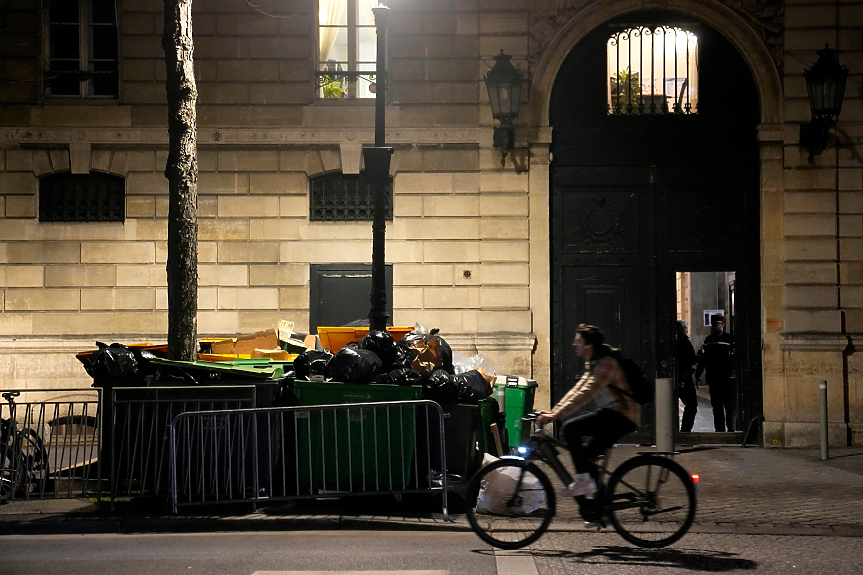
(652, 70)
(337, 197)
(93, 197)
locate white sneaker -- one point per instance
(593, 525)
(583, 485)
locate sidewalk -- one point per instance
(753, 490)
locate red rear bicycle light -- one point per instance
(695, 478)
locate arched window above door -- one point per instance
(652, 70)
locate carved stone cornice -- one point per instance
(482, 342)
(548, 17)
(209, 138)
(813, 342)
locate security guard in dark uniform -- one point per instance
(716, 356)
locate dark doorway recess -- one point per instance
(636, 198)
(339, 294)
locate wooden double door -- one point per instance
(635, 200)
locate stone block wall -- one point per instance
(458, 242)
(822, 228)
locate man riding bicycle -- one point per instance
(614, 413)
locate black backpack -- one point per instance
(642, 389)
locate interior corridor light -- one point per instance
(825, 84)
(504, 93)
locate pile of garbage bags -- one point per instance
(422, 357)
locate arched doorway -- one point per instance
(639, 201)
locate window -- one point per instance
(81, 44)
(93, 197)
(347, 49)
(652, 70)
(335, 197)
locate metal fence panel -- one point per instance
(257, 455)
(136, 446)
(52, 438)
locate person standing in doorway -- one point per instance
(686, 360)
(717, 358)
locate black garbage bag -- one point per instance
(312, 363)
(445, 350)
(411, 337)
(382, 344)
(432, 351)
(404, 356)
(400, 376)
(472, 386)
(111, 361)
(440, 387)
(354, 365)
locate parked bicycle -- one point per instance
(649, 499)
(23, 457)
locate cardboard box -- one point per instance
(278, 354)
(247, 344)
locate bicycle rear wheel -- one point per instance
(510, 503)
(10, 472)
(35, 461)
(651, 501)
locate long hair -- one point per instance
(591, 334)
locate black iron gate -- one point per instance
(635, 198)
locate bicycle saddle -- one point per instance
(10, 394)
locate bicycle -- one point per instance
(649, 499)
(23, 457)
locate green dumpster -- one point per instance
(518, 401)
(350, 450)
(485, 437)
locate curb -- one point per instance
(68, 524)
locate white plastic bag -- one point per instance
(498, 486)
(462, 363)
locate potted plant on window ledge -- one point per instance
(332, 88)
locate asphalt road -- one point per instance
(419, 553)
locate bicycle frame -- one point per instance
(542, 447)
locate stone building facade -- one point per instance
(469, 240)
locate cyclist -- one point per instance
(614, 414)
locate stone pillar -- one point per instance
(540, 266)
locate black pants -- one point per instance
(603, 428)
(690, 403)
(723, 397)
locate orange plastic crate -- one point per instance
(335, 338)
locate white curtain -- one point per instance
(331, 12)
(365, 8)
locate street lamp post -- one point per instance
(377, 164)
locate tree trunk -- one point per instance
(181, 171)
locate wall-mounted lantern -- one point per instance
(504, 92)
(825, 83)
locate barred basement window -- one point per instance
(93, 197)
(336, 197)
(652, 70)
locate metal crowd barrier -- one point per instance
(55, 444)
(136, 445)
(268, 454)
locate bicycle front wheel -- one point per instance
(510, 503)
(651, 501)
(10, 472)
